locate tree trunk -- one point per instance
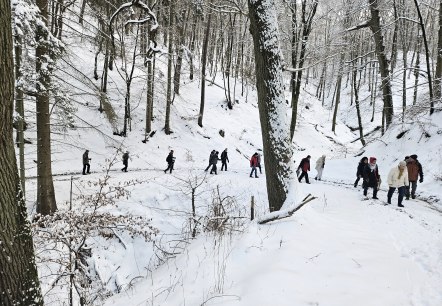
(83, 7)
(375, 26)
(45, 187)
(19, 102)
(179, 51)
(306, 19)
(203, 68)
(271, 102)
(338, 90)
(19, 284)
(169, 70)
(427, 57)
(438, 74)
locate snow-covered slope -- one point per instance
(337, 250)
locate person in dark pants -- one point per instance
(259, 163)
(397, 178)
(210, 159)
(304, 165)
(254, 164)
(224, 160)
(359, 172)
(371, 177)
(214, 161)
(414, 168)
(86, 164)
(170, 159)
(125, 161)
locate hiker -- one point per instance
(170, 159)
(125, 161)
(259, 163)
(214, 161)
(371, 177)
(414, 168)
(210, 159)
(86, 164)
(254, 164)
(224, 160)
(320, 163)
(304, 166)
(397, 178)
(360, 170)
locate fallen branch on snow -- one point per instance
(277, 215)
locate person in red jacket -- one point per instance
(254, 164)
(304, 166)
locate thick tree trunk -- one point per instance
(19, 284)
(45, 187)
(271, 102)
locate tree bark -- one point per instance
(169, 69)
(19, 284)
(271, 102)
(438, 73)
(375, 26)
(203, 69)
(45, 187)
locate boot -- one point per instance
(400, 205)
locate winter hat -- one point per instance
(308, 156)
(372, 160)
(414, 156)
(402, 164)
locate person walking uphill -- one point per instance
(304, 165)
(371, 177)
(224, 160)
(86, 164)
(125, 161)
(214, 161)
(170, 159)
(397, 178)
(414, 171)
(210, 159)
(360, 170)
(320, 163)
(254, 164)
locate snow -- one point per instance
(335, 250)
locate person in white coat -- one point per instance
(397, 178)
(320, 163)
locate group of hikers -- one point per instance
(403, 177)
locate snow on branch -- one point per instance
(366, 24)
(277, 215)
(150, 18)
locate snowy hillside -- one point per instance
(339, 249)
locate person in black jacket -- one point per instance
(210, 159)
(371, 177)
(125, 161)
(224, 160)
(214, 161)
(86, 164)
(359, 172)
(170, 159)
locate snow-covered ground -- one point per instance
(336, 250)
